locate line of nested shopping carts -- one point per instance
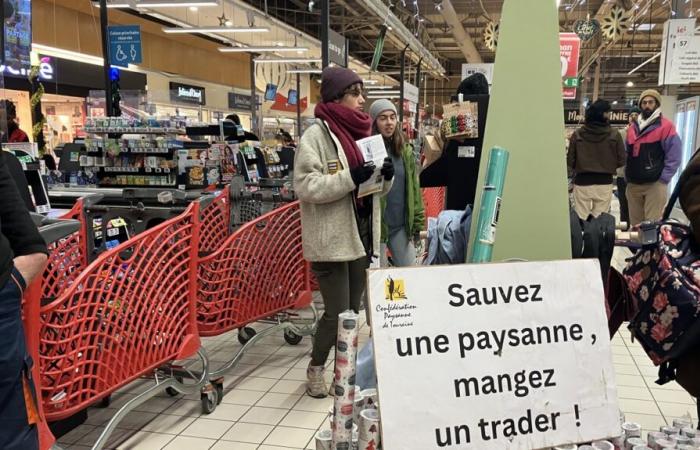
(97, 322)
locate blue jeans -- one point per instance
(403, 252)
(15, 371)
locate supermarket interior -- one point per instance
(350, 224)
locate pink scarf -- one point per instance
(349, 126)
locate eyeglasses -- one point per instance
(649, 102)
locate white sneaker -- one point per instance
(315, 383)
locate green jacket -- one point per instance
(415, 213)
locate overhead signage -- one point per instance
(46, 70)
(337, 48)
(617, 116)
(282, 104)
(485, 68)
(410, 92)
(673, 30)
(239, 101)
(17, 33)
(186, 93)
(685, 65)
(569, 50)
(496, 358)
(124, 45)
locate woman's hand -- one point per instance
(387, 169)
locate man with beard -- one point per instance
(595, 153)
(653, 157)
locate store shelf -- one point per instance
(133, 171)
(139, 130)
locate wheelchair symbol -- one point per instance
(120, 56)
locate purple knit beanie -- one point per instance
(335, 80)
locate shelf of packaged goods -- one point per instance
(134, 171)
(137, 130)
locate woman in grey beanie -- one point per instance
(403, 215)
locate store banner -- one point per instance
(282, 104)
(186, 93)
(493, 356)
(337, 48)
(569, 50)
(410, 92)
(124, 45)
(617, 116)
(674, 29)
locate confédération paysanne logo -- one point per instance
(394, 290)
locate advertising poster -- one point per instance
(506, 356)
(569, 50)
(18, 33)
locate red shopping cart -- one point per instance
(130, 313)
(433, 201)
(258, 272)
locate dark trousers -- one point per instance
(342, 286)
(15, 371)
(622, 197)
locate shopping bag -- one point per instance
(365, 374)
(460, 120)
(432, 150)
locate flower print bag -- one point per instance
(664, 280)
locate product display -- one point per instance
(345, 360)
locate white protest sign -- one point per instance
(492, 356)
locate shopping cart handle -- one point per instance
(92, 199)
(205, 201)
(58, 229)
(36, 218)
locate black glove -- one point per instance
(362, 173)
(387, 169)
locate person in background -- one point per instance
(286, 150)
(653, 157)
(14, 133)
(403, 216)
(620, 179)
(247, 135)
(22, 257)
(340, 232)
(595, 152)
(285, 139)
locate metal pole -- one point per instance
(402, 77)
(298, 108)
(417, 121)
(253, 97)
(347, 52)
(325, 23)
(105, 55)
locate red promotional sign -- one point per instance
(282, 105)
(569, 50)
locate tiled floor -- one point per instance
(265, 408)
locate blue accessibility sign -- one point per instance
(124, 45)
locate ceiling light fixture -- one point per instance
(216, 30)
(288, 60)
(370, 81)
(630, 83)
(302, 71)
(174, 4)
(262, 49)
(384, 87)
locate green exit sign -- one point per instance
(571, 82)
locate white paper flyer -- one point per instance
(372, 149)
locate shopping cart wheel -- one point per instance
(245, 334)
(171, 391)
(209, 401)
(292, 338)
(219, 392)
